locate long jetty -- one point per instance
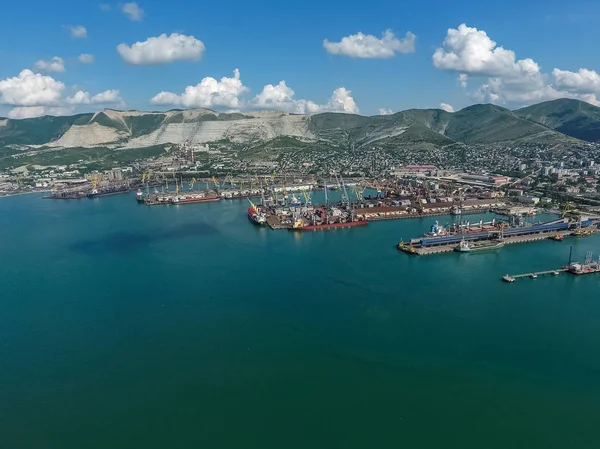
(535, 274)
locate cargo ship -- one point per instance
(139, 196)
(466, 247)
(300, 226)
(95, 193)
(194, 198)
(66, 196)
(255, 215)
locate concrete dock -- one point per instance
(421, 251)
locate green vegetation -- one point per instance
(486, 123)
(37, 131)
(574, 118)
(140, 125)
(411, 131)
(97, 157)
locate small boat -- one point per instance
(533, 276)
(557, 237)
(555, 273)
(507, 278)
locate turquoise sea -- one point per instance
(126, 326)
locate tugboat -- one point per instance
(557, 237)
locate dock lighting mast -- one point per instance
(570, 254)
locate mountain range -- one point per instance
(562, 120)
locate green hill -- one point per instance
(37, 131)
(574, 118)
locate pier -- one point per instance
(425, 250)
(533, 274)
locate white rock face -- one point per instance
(261, 125)
(89, 135)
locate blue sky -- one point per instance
(269, 43)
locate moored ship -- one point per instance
(468, 247)
(299, 225)
(255, 215)
(193, 198)
(139, 196)
(95, 193)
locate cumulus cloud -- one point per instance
(54, 64)
(385, 111)
(33, 95)
(26, 112)
(583, 81)
(37, 111)
(31, 89)
(281, 97)
(473, 54)
(85, 58)
(162, 50)
(78, 31)
(368, 46)
(207, 94)
(133, 11)
(447, 107)
(471, 51)
(111, 96)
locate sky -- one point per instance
(62, 57)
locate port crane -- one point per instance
(192, 182)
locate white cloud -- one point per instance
(78, 31)
(107, 97)
(207, 94)
(37, 111)
(470, 51)
(447, 107)
(275, 97)
(33, 94)
(111, 96)
(105, 7)
(80, 97)
(133, 11)
(162, 50)
(385, 111)
(368, 46)
(583, 81)
(54, 64)
(282, 97)
(85, 58)
(31, 89)
(473, 54)
(26, 112)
